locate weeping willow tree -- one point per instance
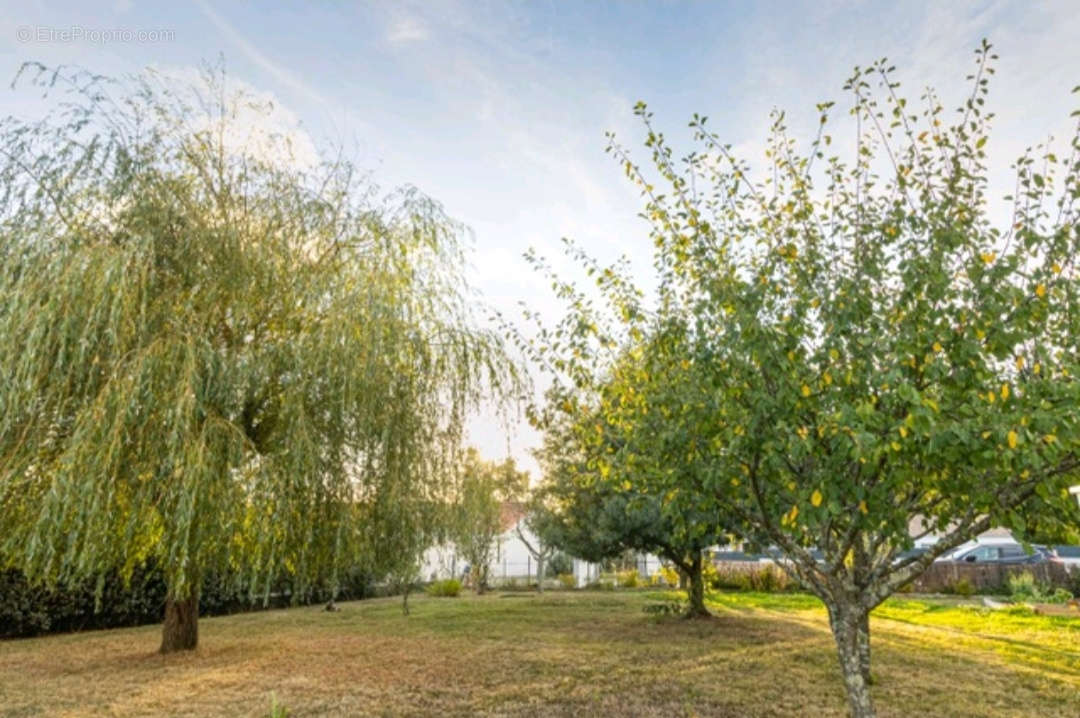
(216, 357)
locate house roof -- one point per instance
(509, 514)
(1068, 551)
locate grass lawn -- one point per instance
(563, 654)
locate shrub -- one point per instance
(961, 587)
(559, 564)
(669, 575)
(628, 578)
(769, 579)
(447, 588)
(1023, 588)
(567, 580)
(751, 577)
(730, 578)
(709, 572)
(665, 608)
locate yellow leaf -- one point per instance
(735, 482)
(805, 390)
(903, 432)
(1004, 391)
(988, 257)
(626, 485)
(862, 507)
(937, 347)
(827, 378)
(986, 435)
(1019, 363)
(791, 486)
(1012, 439)
(1049, 438)
(1041, 290)
(1056, 268)
(815, 499)
(1037, 368)
(895, 446)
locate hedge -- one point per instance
(30, 610)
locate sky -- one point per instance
(499, 109)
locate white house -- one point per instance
(586, 573)
(511, 559)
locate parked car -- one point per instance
(1003, 553)
(913, 552)
(1069, 555)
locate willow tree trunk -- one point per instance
(851, 629)
(696, 591)
(180, 632)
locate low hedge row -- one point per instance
(30, 610)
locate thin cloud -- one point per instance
(279, 73)
(406, 30)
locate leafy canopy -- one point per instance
(845, 344)
(213, 356)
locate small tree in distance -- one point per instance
(483, 488)
(533, 522)
(858, 344)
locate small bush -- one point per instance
(447, 588)
(601, 584)
(669, 575)
(753, 577)
(961, 587)
(628, 578)
(769, 579)
(559, 564)
(1023, 588)
(709, 573)
(665, 608)
(567, 580)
